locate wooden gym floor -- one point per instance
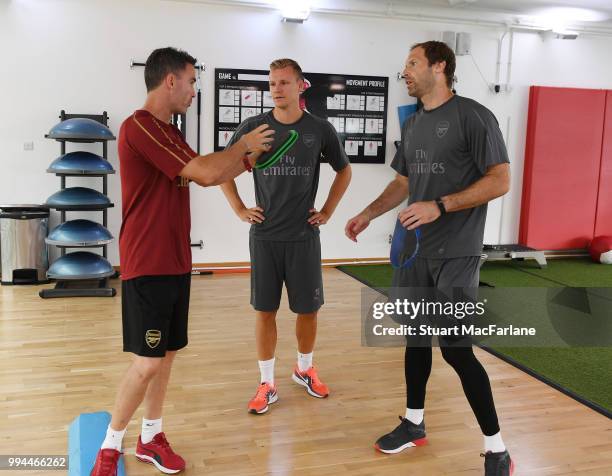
(62, 357)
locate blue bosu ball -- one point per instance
(80, 129)
(79, 233)
(78, 198)
(80, 163)
(80, 265)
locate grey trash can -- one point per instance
(23, 229)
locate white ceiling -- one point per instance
(520, 7)
(500, 12)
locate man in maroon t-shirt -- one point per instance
(154, 246)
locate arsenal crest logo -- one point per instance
(152, 338)
(442, 128)
(308, 140)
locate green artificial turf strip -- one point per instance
(502, 274)
(583, 370)
(376, 275)
(576, 272)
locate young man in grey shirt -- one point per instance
(452, 161)
(284, 238)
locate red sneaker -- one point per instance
(106, 463)
(159, 453)
(265, 395)
(310, 380)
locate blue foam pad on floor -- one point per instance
(85, 435)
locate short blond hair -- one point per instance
(287, 63)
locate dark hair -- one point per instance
(436, 52)
(164, 61)
(287, 63)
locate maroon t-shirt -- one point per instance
(154, 237)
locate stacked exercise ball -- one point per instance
(80, 233)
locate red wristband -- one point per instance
(247, 164)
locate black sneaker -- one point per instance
(498, 464)
(407, 434)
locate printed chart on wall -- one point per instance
(355, 105)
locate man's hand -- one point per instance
(419, 213)
(318, 218)
(251, 215)
(356, 225)
(259, 139)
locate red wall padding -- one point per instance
(562, 164)
(603, 220)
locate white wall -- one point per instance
(75, 55)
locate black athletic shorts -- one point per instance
(297, 264)
(155, 310)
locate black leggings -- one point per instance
(474, 379)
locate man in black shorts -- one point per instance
(156, 167)
(284, 237)
(452, 161)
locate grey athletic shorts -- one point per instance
(453, 280)
(440, 273)
(297, 264)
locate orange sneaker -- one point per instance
(310, 380)
(266, 394)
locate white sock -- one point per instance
(494, 443)
(113, 439)
(304, 361)
(150, 428)
(415, 415)
(266, 369)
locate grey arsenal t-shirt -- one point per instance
(287, 190)
(443, 151)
